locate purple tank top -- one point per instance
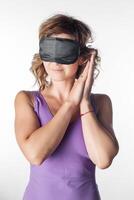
(68, 173)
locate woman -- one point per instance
(63, 129)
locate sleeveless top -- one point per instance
(68, 173)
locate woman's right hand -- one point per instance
(77, 90)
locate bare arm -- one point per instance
(36, 142)
(99, 135)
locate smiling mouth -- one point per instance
(58, 69)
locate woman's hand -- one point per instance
(82, 86)
(89, 79)
(77, 89)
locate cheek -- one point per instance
(71, 70)
(47, 66)
(73, 67)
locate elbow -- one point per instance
(105, 162)
(36, 157)
(117, 149)
(33, 155)
(104, 165)
(37, 160)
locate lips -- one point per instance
(57, 69)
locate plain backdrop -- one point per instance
(113, 31)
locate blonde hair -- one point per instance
(57, 24)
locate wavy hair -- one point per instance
(61, 23)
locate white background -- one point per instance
(113, 29)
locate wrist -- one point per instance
(71, 106)
(86, 106)
(89, 111)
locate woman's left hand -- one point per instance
(89, 80)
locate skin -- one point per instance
(100, 140)
(78, 92)
(62, 80)
(65, 80)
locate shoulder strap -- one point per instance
(35, 100)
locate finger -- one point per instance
(86, 68)
(92, 58)
(85, 71)
(91, 65)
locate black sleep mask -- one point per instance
(60, 50)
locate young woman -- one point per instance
(63, 129)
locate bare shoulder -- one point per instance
(24, 96)
(26, 120)
(102, 101)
